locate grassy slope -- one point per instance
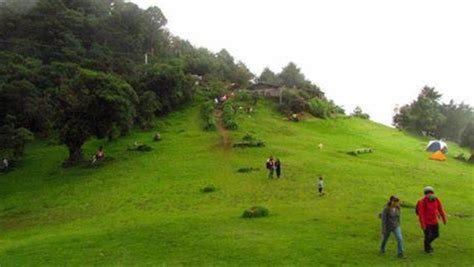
(146, 208)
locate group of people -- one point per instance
(429, 209)
(273, 166)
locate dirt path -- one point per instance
(224, 133)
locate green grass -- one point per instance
(148, 208)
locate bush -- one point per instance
(207, 114)
(360, 151)
(247, 169)
(140, 147)
(249, 141)
(208, 188)
(319, 108)
(293, 102)
(255, 212)
(228, 116)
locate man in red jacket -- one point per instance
(429, 209)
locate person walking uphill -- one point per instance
(391, 223)
(270, 166)
(277, 167)
(429, 209)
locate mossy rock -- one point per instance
(255, 212)
(208, 188)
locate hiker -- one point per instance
(270, 167)
(6, 165)
(391, 223)
(157, 137)
(99, 155)
(277, 167)
(429, 209)
(320, 186)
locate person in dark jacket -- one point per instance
(270, 166)
(429, 209)
(391, 223)
(278, 167)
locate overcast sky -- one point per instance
(371, 53)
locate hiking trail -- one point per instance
(223, 132)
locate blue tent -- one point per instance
(434, 146)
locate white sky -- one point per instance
(372, 53)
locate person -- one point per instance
(270, 166)
(429, 209)
(278, 168)
(320, 185)
(6, 165)
(391, 223)
(99, 155)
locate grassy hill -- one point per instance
(147, 208)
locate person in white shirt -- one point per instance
(320, 185)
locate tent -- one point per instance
(438, 155)
(436, 145)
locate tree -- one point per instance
(146, 109)
(359, 113)
(291, 76)
(467, 139)
(14, 138)
(93, 104)
(269, 77)
(423, 115)
(457, 118)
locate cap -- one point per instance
(428, 189)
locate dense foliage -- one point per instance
(426, 115)
(78, 69)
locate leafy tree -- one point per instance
(457, 118)
(146, 109)
(359, 113)
(14, 138)
(269, 77)
(467, 138)
(291, 76)
(170, 84)
(93, 104)
(423, 115)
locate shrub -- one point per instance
(140, 147)
(247, 169)
(255, 212)
(208, 188)
(357, 113)
(360, 151)
(207, 114)
(228, 116)
(292, 102)
(319, 108)
(249, 141)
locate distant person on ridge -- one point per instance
(278, 167)
(99, 155)
(429, 209)
(6, 165)
(270, 167)
(391, 223)
(320, 185)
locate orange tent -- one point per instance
(438, 155)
